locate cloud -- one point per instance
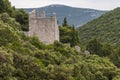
(95, 4)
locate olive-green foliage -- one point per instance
(115, 57)
(65, 34)
(75, 66)
(68, 34)
(106, 28)
(75, 38)
(6, 65)
(5, 18)
(26, 58)
(5, 6)
(91, 71)
(8, 34)
(35, 41)
(20, 15)
(55, 62)
(94, 46)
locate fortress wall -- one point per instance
(32, 26)
(46, 29)
(56, 30)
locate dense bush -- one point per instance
(94, 46)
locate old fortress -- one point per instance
(45, 28)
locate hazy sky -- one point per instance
(95, 4)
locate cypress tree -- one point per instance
(65, 22)
(75, 37)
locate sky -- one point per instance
(94, 4)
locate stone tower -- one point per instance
(46, 29)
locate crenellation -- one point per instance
(42, 14)
(33, 14)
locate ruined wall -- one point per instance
(46, 29)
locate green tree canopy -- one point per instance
(5, 6)
(20, 15)
(65, 22)
(75, 38)
(101, 49)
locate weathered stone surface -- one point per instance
(87, 52)
(78, 48)
(46, 29)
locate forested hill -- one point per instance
(106, 28)
(76, 16)
(26, 58)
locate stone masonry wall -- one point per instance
(46, 29)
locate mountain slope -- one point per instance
(76, 16)
(26, 58)
(106, 28)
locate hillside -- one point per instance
(26, 58)
(76, 16)
(106, 28)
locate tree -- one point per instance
(5, 6)
(65, 22)
(8, 29)
(115, 57)
(107, 49)
(69, 35)
(75, 38)
(22, 17)
(101, 49)
(65, 34)
(94, 47)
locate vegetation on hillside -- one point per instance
(68, 34)
(106, 28)
(23, 57)
(26, 58)
(94, 46)
(19, 14)
(101, 36)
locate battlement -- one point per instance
(45, 28)
(42, 14)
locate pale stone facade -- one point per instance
(46, 29)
